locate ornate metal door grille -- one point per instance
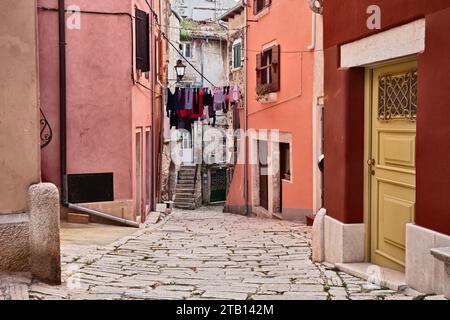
(46, 131)
(398, 96)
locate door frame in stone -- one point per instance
(368, 108)
(273, 142)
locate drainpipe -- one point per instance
(63, 124)
(312, 46)
(202, 59)
(247, 211)
(153, 104)
(63, 101)
(103, 215)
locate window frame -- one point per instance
(260, 5)
(268, 70)
(285, 147)
(236, 43)
(191, 49)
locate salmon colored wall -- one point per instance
(236, 191)
(344, 92)
(292, 111)
(103, 107)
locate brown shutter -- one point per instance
(142, 41)
(275, 54)
(258, 68)
(276, 74)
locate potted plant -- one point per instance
(262, 91)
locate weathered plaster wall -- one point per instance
(214, 62)
(174, 37)
(19, 105)
(236, 191)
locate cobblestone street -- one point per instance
(203, 254)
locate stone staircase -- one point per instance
(185, 190)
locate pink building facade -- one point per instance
(278, 180)
(109, 104)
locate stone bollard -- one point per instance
(318, 242)
(45, 256)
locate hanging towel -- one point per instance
(219, 100)
(171, 102)
(235, 94)
(180, 98)
(189, 100)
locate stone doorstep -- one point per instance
(443, 254)
(392, 279)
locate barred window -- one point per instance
(397, 96)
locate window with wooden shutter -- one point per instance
(268, 68)
(237, 54)
(258, 69)
(259, 5)
(275, 68)
(142, 41)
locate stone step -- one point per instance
(179, 199)
(184, 201)
(184, 194)
(184, 204)
(187, 170)
(183, 189)
(186, 178)
(185, 184)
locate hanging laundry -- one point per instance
(198, 104)
(207, 98)
(189, 98)
(219, 99)
(171, 102)
(180, 98)
(235, 93)
(226, 93)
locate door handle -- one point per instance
(371, 163)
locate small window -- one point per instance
(237, 54)
(259, 5)
(188, 50)
(285, 161)
(268, 69)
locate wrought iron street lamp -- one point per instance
(180, 69)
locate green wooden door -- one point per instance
(218, 185)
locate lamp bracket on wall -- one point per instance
(316, 6)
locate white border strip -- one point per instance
(398, 42)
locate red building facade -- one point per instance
(369, 219)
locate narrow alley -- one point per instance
(206, 254)
(224, 150)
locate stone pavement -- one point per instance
(206, 254)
